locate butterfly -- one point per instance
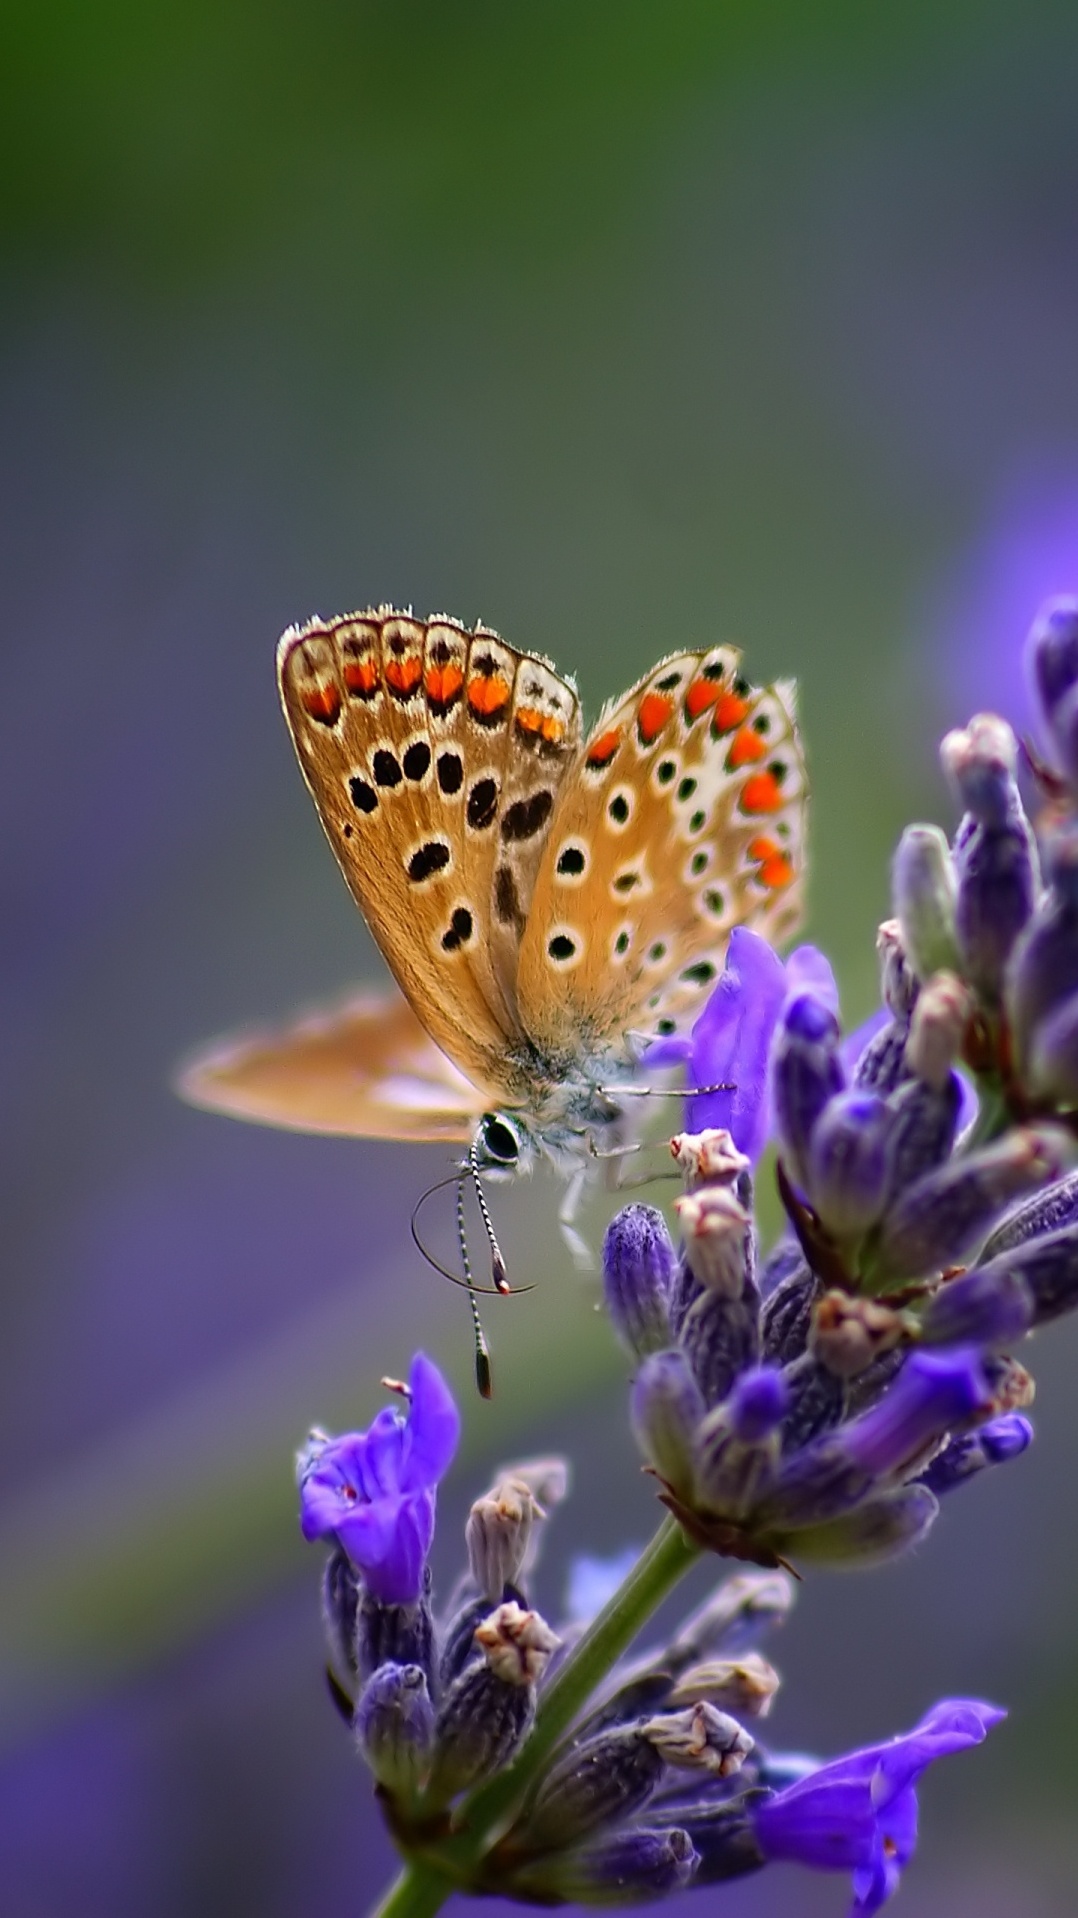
(547, 900)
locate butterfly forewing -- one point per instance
(363, 1069)
(420, 753)
(684, 818)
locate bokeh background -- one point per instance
(618, 326)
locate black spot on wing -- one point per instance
(430, 858)
(386, 768)
(482, 803)
(364, 798)
(506, 899)
(525, 817)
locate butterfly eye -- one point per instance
(499, 1140)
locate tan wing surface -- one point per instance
(685, 818)
(424, 751)
(363, 1069)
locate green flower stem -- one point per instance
(418, 1893)
(658, 1569)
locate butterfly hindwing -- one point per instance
(363, 1069)
(684, 818)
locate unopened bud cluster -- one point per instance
(653, 1789)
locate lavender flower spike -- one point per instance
(374, 1491)
(859, 1813)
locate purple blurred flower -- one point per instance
(1026, 552)
(375, 1491)
(859, 1813)
(731, 1040)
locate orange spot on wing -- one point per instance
(487, 695)
(443, 683)
(404, 675)
(776, 872)
(761, 794)
(745, 748)
(322, 702)
(547, 726)
(361, 676)
(775, 869)
(701, 694)
(604, 749)
(730, 710)
(655, 710)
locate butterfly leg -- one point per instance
(567, 1211)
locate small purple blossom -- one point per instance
(932, 1393)
(375, 1491)
(859, 1813)
(731, 1041)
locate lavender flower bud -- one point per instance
(340, 1608)
(738, 1444)
(1053, 1057)
(744, 1686)
(458, 1642)
(938, 1029)
(925, 890)
(787, 1314)
(882, 1065)
(850, 1334)
(638, 1269)
(699, 1738)
(806, 1072)
(899, 983)
(981, 760)
(723, 1837)
(601, 1781)
(1052, 664)
(666, 1407)
(994, 1444)
(995, 853)
(943, 1215)
(817, 1401)
(1049, 1211)
(1047, 1266)
(630, 1867)
(393, 1634)
(709, 1157)
(924, 1126)
(488, 1710)
(717, 1231)
(517, 1643)
(394, 1726)
(990, 1306)
(849, 1163)
(879, 1530)
(740, 1611)
(498, 1534)
(1043, 973)
(721, 1337)
(784, 1259)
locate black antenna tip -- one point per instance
(484, 1376)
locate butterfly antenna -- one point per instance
(497, 1263)
(454, 1278)
(484, 1378)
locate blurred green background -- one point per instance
(620, 327)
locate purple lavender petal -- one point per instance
(731, 1042)
(433, 1429)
